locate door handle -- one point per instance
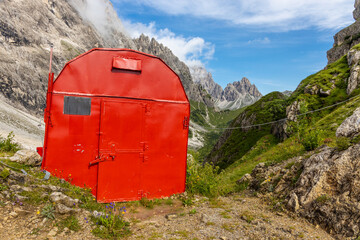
(102, 158)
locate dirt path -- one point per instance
(235, 217)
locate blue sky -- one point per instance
(274, 43)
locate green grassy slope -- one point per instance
(243, 150)
(216, 118)
(213, 121)
(267, 149)
(269, 108)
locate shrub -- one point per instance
(342, 143)
(147, 203)
(202, 179)
(111, 224)
(71, 222)
(311, 140)
(8, 145)
(5, 173)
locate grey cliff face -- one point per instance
(239, 94)
(356, 12)
(24, 46)
(25, 39)
(205, 79)
(346, 38)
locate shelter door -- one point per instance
(121, 150)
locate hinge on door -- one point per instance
(143, 157)
(144, 146)
(186, 123)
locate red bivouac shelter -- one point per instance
(117, 122)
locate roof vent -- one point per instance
(126, 64)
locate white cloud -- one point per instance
(192, 50)
(100, 13)
(257, 41)
(272, 15)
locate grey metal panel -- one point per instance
(77, 105)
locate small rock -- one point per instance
(17, 177)
(62, 209)
(43, 222)
(58, 197)
(21, 212)
(293, 203)
(171, 216)
(17, 188)
(51, 188)
(246, 178)
(13, 214)
(27, 157)
(52, 232)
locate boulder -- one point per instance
(329, 190)
(245, 179)
(58, 197)
(62, 209)
(351, 126)
(353, 59)
(27, 157)
(324, 93)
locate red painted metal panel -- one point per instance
(72, 144)
(119, 177)
(164, 171)
(93, 75)
(127, 64)
(134, 142)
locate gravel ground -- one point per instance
(234, 217)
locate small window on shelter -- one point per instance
(77, 105)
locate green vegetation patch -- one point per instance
(71, 222)
(271, 107)
(8, 144)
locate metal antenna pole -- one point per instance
(51, 54)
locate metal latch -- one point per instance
(186, 123)
(102, 158)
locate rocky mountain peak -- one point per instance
(245, 81)
(235, 95)
(244, 86)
